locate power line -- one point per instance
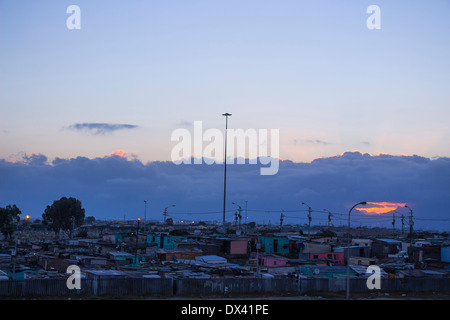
(297, 214)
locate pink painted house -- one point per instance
(335, 258)
(270, 260)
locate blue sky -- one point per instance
(311, 69)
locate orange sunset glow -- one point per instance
(119, 153)
(380, 207)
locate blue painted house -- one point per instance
(275, 244)
(164, 240)
(445, 254)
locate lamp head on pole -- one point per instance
(306, 205)
(410, 210)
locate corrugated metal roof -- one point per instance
(363, 270)
(389, 240)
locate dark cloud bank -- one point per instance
(112, 187)
(101, 128)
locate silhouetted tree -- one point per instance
(8, 217)
(90, 220)
(63, 214)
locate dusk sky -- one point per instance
(138, 70)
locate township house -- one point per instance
(382, 248)
(328, 258)
(269, 260)
(281, 254)
(178, 254)
(170, 247)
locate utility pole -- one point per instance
(281, 220)
(403, 223)
(238, 216)
(329, 218)
(411, 223)
(393, 225)
(165, 215)
(225, 167)
(165, 212)
(309, 218)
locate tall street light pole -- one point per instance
(226, 115)
(348, 248)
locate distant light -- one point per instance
(27, 217)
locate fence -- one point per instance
(95, 286)
(187, 286)
(133, 286)
(387, 285)
(42, 287)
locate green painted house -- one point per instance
(164, 240)
(275, 244)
